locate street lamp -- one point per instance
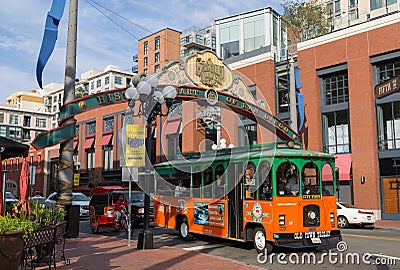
(144, 90)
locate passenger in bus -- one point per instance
(180, 188)
(292, 186)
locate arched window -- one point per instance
(311, 179)
(287, 179)
(264, 180)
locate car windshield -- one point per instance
(347, 205)
(9, 195)
(80, 197)
(136, 197)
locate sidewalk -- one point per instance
(99, 252)
(387, 224)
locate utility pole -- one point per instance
(65, 174)
(292, 97)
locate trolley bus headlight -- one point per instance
(332, 219)
(281, 220)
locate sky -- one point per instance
(101, 42)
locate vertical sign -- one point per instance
(77, 177)
(135, 145)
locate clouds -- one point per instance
(100, 41)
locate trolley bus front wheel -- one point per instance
(260, 242)
(184, 230)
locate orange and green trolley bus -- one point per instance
(269, 194)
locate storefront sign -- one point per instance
(135, 152)
(387, 87)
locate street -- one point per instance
(366, 249)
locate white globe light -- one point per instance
(214, 147)
(152, 80)
(169, 92)
(223, 145)
(222, 140)
(231, 145)
(132, 93)
(144, 88)
(158, 96)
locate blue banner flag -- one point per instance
(300, 104)
(49, 37)
(297, 78)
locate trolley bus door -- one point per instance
(235, 201)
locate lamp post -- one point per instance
(150, 106)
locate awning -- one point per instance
(88, 143)
(172, 125)
(343, 162)
(106, 139)
(76, 141)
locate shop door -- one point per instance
(390, 197)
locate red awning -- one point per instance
(106, 139)
(76, 143)
(88, 143)
(343, 162)
(327, 173)
(172, 125)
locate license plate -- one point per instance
(369, 218)
(316, 240)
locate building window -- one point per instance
(27, 121)
(157, 57)
(91, 128)
(254, 37)
(106, 80)
(157, 43)
(229, 37)
(156, 68)
(118, 80)
(14, 119)
(145, 71)
(108, 124)
(26, 136)
(388, 121)
(92, 85)
(335, 89)
(41, 122)
(15, 133)
(1, 117)
(145, 61)
(99, 83)
(146, 47)
(90, 159)
(335, 132)
(39, 160)
(108, 157)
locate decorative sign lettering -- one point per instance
(387, 87)
(206, 70)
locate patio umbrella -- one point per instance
(24, 188)
(8, 149)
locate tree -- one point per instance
(80, 92)
(304, 20)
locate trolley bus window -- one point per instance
(219, 184)
(264, 178)
(250, 181)
(164, 186)
(327, 180)
(287, 176)
(196, 183)
(208, 183)
(182, 181)
(311, 179)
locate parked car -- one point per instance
(10, 198)
(78, 198)
(38, 199)
(348, 214)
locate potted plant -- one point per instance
(12, 231)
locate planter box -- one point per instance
(11, 248)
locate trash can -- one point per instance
(72, 219)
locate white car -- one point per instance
(77, 199)
(10, 198)
(348, 214)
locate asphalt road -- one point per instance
(366, 249)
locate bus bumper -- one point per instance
(292, 240)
